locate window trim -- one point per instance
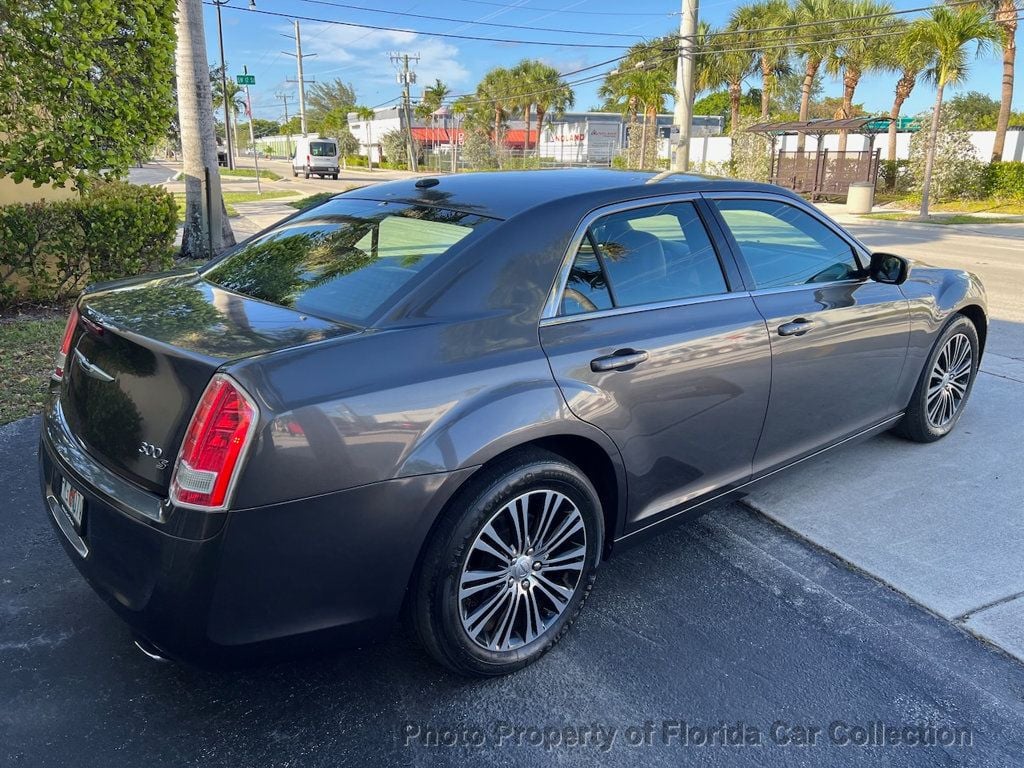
(861, 253)
(549, 314)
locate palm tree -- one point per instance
(366, 115)
(236, 102)
(433, 97)
(724, 63)
(814, 43)
(909, 55)
(204, 230)
(948, 32)
(753, 22)
(1005, 14)
(552, 96)
(859, 51)
(495, 90)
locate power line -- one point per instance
(450, 35)
(468, 21)
(563, 10)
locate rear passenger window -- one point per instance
(784, 246)
(643, 256)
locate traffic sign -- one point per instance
(245, 79)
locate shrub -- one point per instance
(957, 173)
(355, 161)
(1005, 180)
(48, 251)
(894, 175)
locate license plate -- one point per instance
(74, 504)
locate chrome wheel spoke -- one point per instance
(522, 570)
(949, 380)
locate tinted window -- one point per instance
(323, 148)
(658, 253)
(344, 259)
(783, 245)
(587, 287)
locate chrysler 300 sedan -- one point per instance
(450, 400)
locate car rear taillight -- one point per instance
(65, 346)
(308, 160)
(215, 445)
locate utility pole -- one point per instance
(224, 85)
(299, 56)
(288, 133)
(406, 78)
(684, 83)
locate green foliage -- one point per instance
(1005, 181)
(85, 86)
(328, 105)
(718, 103)
(478, 151)
(957, 174)
(251, 172)
(978, 110)
(393, 146)
(48, 251)
(894, 175)
(347, 143)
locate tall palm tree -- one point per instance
(949, 32)
(553, 96)
(205, 230)
(909, 54)
(236, 102)
(724, 64)
(859, 50)
(433, 97)
(366, 115)
(754, 23)
(495, 90)
(813, 43)
(1005, 14)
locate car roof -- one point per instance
(504, 194)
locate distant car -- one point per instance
(316, 157)
(458, 396)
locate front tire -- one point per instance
(509, 568)
(945, 384)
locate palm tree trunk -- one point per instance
(526, 145)
(735, 95)
(766, 96)
(540, 125)
(207, 229)
(929, 160)
(903, 89)
(497, 134)
(805, 98)
(643, 142)
(850, 80)
(1006, 17)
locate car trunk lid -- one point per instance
(143, 353)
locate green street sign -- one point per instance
(245, 79)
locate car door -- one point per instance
(839, 340)
(648, 343)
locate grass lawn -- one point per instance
(230, 198)
(251, 173)
(946, 218)
(27, 349)
(957, 206)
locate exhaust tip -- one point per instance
(150, 650)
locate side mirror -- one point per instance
(888, 268)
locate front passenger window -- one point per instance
(783, 245)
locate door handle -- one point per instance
(797, 327)
(619, 360)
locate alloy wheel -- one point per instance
(949, 380)
(522, 570)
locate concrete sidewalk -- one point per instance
(942, 523)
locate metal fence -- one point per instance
(824, 173)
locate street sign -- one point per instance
(245, 79)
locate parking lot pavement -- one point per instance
(728, 624)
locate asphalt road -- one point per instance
(728, 624)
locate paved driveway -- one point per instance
(729, 625)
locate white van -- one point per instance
(315, 157)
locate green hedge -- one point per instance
(48, 251)
(1005, 180)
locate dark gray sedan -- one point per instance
(451, 399)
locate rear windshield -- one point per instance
(323, 148)
(345, 259)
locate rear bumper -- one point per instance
(328, 569)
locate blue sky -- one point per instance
(359, 55)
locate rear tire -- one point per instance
(510, 566)
(307, 171)
(945, 384)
